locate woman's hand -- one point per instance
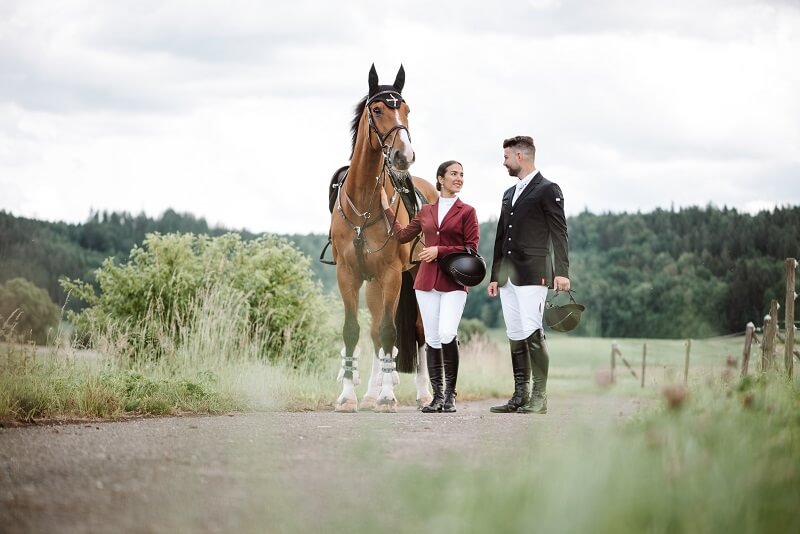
(492, 289)
(384, 199)
(429, 254)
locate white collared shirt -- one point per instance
(522, 184)
(444, 206)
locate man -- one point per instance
(531, 223)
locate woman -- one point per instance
(447, 226)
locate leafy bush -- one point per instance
(262, 287)
(28, 309)
(469, 328)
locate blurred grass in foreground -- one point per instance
(725, 460)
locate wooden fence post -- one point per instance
(614, 350)
(686, 365)
(768, 340)
(788, 360)
(765, 342)
(769, 336)
(748, 341)
(644, 361)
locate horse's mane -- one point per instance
(356, 121)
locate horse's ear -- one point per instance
(400, 81)
(373, 79)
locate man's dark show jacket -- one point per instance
(525, 232)
(459, 229)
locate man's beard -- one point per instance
(514, 172)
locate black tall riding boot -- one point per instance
(435, 370)
(522, 378)
(450, 356)
(540, 366)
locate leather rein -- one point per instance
(367, 219)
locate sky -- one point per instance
(239, 111)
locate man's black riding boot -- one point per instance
(540, 365)
(435, 369)
(522, 378)
(450, 356)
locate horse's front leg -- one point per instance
(348, 374)
(387, 338)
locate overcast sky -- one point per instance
(239, 111)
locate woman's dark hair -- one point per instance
(442, 169)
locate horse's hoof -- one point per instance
(386, 406)
(424, 401)
(368, 403)
(346, 406)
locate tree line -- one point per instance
(692, 272)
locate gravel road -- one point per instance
(251, 472)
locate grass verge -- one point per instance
(723, 459)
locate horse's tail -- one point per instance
(405, 319)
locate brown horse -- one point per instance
(364, 251)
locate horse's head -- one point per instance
(387, 114)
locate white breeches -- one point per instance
(441, 313)
(523, 307)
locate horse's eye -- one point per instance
(376, 110)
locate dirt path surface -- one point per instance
(254, 472)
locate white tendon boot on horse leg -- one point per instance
(348, 400)
(387, 402)
(422, 380)
(370, 398)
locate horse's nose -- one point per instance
(399, 161)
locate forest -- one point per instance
(691, 272)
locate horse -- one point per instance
(363, 249)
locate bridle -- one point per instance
(393, 101)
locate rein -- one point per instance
(401, 182)
(359, 239)
(396, 178)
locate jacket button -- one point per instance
(509, 252)
(512, 213)
(509, 239)
(510, 225)
(437, 233)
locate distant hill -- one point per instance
(693, 272)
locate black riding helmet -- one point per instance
(466, 268)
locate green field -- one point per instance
(55, 383)
(722, 458)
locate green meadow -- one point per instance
(717, 456)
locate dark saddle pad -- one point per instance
(412, 198)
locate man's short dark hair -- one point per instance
(523, 143)
(518, 140)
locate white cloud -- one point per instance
(240, 112)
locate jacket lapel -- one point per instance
(535, 181)
(450, 213)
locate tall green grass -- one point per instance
(214, 362)
(725, 460)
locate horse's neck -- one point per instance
(360, 185)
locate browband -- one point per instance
(391, 98)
